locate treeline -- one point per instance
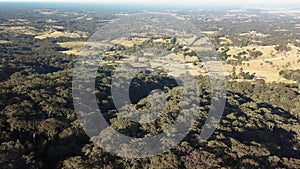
(39, 128)
(290, 74)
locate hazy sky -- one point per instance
(190, 3)
(169, 1)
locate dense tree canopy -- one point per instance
(260, 127)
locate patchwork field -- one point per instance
(266, 66)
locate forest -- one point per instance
(260, 126)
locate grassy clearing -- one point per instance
(56, 34)
(74, 47)
(77, 46)
(269, 52)
(51, 21)
(269, 64)
(4, 41)
(225, 41)
(209, 32)
(130, 43)
(20, 29)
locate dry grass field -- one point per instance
(77, 46)
(74, 47)
(56, 34)
(4, 41)
(130, 43)
(225, 41)
(270, 63)
(19, 29)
